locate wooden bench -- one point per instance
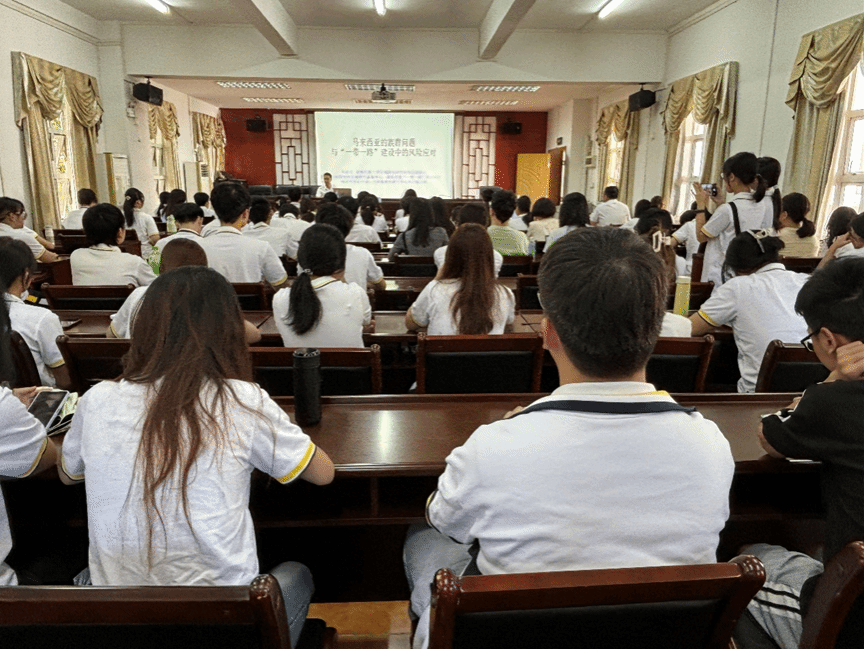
(253, 296)
(801, 264)
(515, 264)
(90, 360)
(680, 364)
(107, 297)
(343, 371)
(699, 294)
(415, 266)
(70, 240)
(789, 367)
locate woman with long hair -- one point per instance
(163, 201)
(423, 237)
(168, 473)
(439, 213)
(175, 199)
(464, 297)
(138, 220)
(838, 225)
(758, 303)
(769, 169)
(572, 214)
(795, 229)
(850, 244)
(370, 213)
(320, 309)
(401, 220)
(543, 220)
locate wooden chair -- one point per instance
(55, 272)
(789, 367)
(680, 364)
(343, 371)
(415, 266)
(371, 247)
(26, 372)
(698, 262)
(801, 264)
(667, 606)
(515, 264)
(253, 296)
(71, 242)
(110, 297)
(168, 617)
(699, 294)
(479, 364)
(527, 293)
(90, 360)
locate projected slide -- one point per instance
(387, 153)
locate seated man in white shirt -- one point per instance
(360, 266)
(603, 473)
(326, 187)
(12, 216)
(86, 198)
(523, 208)
(103, 263)
(611, 211)
(259, 227)
(202, 200)
(237, 258)
(190, 220)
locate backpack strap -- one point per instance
(608, 407)
(735, 218)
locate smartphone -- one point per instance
(710, 188)
(46, 405)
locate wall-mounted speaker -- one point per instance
(256, 125)
(146, 92)
(642, 99)
(511, 128)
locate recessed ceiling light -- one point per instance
(159, 6)
(488, 102)
(274, 100)
(505, 88)
(372, 87)
(380, 7)
(609, 7)
(260, 85)
(369, 101)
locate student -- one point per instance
(571, 482)
(259, 227)
(572, 214)
(403, 213)
(505, 240)
(141, 222)
(769, 169)
(686, 234)
(825, 425)
(439, 214)
(610, 211)
(758, 303)
(169, 504)
(838, 224)
(850, 244)
(190, 221)
(86, 198)
(544, 221)
(795, 229)
(237, 258)
(464, 297)
(202, 200)
(38, 327)
(320, 309)
(163, 200)
(642, 205)
(175, 198)
(740, 173)
(360, 266)
(103, 263)
(294, 195)
(12, 216)
(423, 237)
(360, 232)
(370, 214)
(472, 213)
(520, 214)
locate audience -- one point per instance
(401, 220)
(360, 232)
(86, 198)
(439, 214)
(423, 237)
(260, 219)
(769, 169)
(360, 266)
(521, 215)
(175, 198)
(572, 215)
(190, 220)
(544, 221)
(797, 232)
(505, 240)
(139, 221)
(103, 263)
(850, 244)
(12, 215)
(202, 200)
(611, 211)
(838, 224)
(471, 213)
(370, 213)
(321, 309)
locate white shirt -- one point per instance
(22, 442)
(557, 490)
(296, 227)
(25, 235)
(760, 308)
(611, 212)
(39, 328)
(401, 223)
(539, 229)
(211, 227)
(432, 309)
(848, 250)
(345, 309)
(686, 234)
(241, 259)
(441, 253)
(379, 223)
(219, 547)
(557, 233)
(795, 246)
(208, 213)
(721, 230)
(360, 232)
(108, 265)
(675, 326)
(73, 220)
(517, 223)
(323, 189)
(144, 226)
(278, 238)
(360, 267)
(121, 322)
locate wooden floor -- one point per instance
(367, 625)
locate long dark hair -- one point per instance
(439, 214)
(769, 169)
(15, 259)
(187, 343)
(368, 206)
(838, 223)
(321, 252)
(797, 206)
(573, 210)
(132, 196)
(175, 198)
(745, 166)
(421, 221)
(470, 260)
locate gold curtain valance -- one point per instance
(165, 118)
(712, 91)
(45, 84)
(825, 59)
(614, 118)
(208, 131)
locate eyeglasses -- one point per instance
(808, 342)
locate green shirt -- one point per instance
(508, 241)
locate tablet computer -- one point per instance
(46, 406)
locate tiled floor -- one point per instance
(367, 625)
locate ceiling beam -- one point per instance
(270, 18)
(499, 23)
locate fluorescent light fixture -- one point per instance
(258, 85)
(273, 100)
(505, 88)
(159, 6)
(609, 7)
(380, 7)
(372, 87)
(369, 101)
(488, 102)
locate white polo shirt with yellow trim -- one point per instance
(242, 259)
(23, 234)
(720, 229)
(39, 328)
(216, 546)
(108, 265)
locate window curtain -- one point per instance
(40, 88)
(208, 132)
(710, 95)
(825, 59)
(164, 118)
(617, 119)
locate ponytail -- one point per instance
(131, 197)
(368, 215)
(797, 206)
(777, 203)
(304, 307)
(321, 252)
(761, 188)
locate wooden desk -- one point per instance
(94, 323)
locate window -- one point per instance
(62, 159)
(688, 164)
(614, 156)
(157, 152)
(846, 181)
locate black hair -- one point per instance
(7, 366)
(857, 224)
(9, 206)
(769, 169)
(405, 203)
(503, 203)
(656, 201)
(102, 223)
(349, 203)
(177, 197)
(642, 205)
(131, 197)
(745, 166)
(439, 215)
(573, 210)
(523, 204)
(543, 207)
(474, 213)
(188, 213)
(335, 216)
(368, 206)
(321, 252)
(487, 193)
(330, 197)
(294, 193)
(611, 192)
(833, 298)
(201, 198)
(259, 210)
(15, 258)
(797, 206)
(838, 223)
(654, 217)
(751, 250)
(86, 196)
(229, 200)
(689, 215)
(163, 200)
(361, 195)
(288, 208)
(421, 221)
(604, 291)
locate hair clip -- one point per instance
(658, 240)
(759, 235)
(307, 271)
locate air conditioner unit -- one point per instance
(197, 177)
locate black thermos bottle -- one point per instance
(307, 387)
